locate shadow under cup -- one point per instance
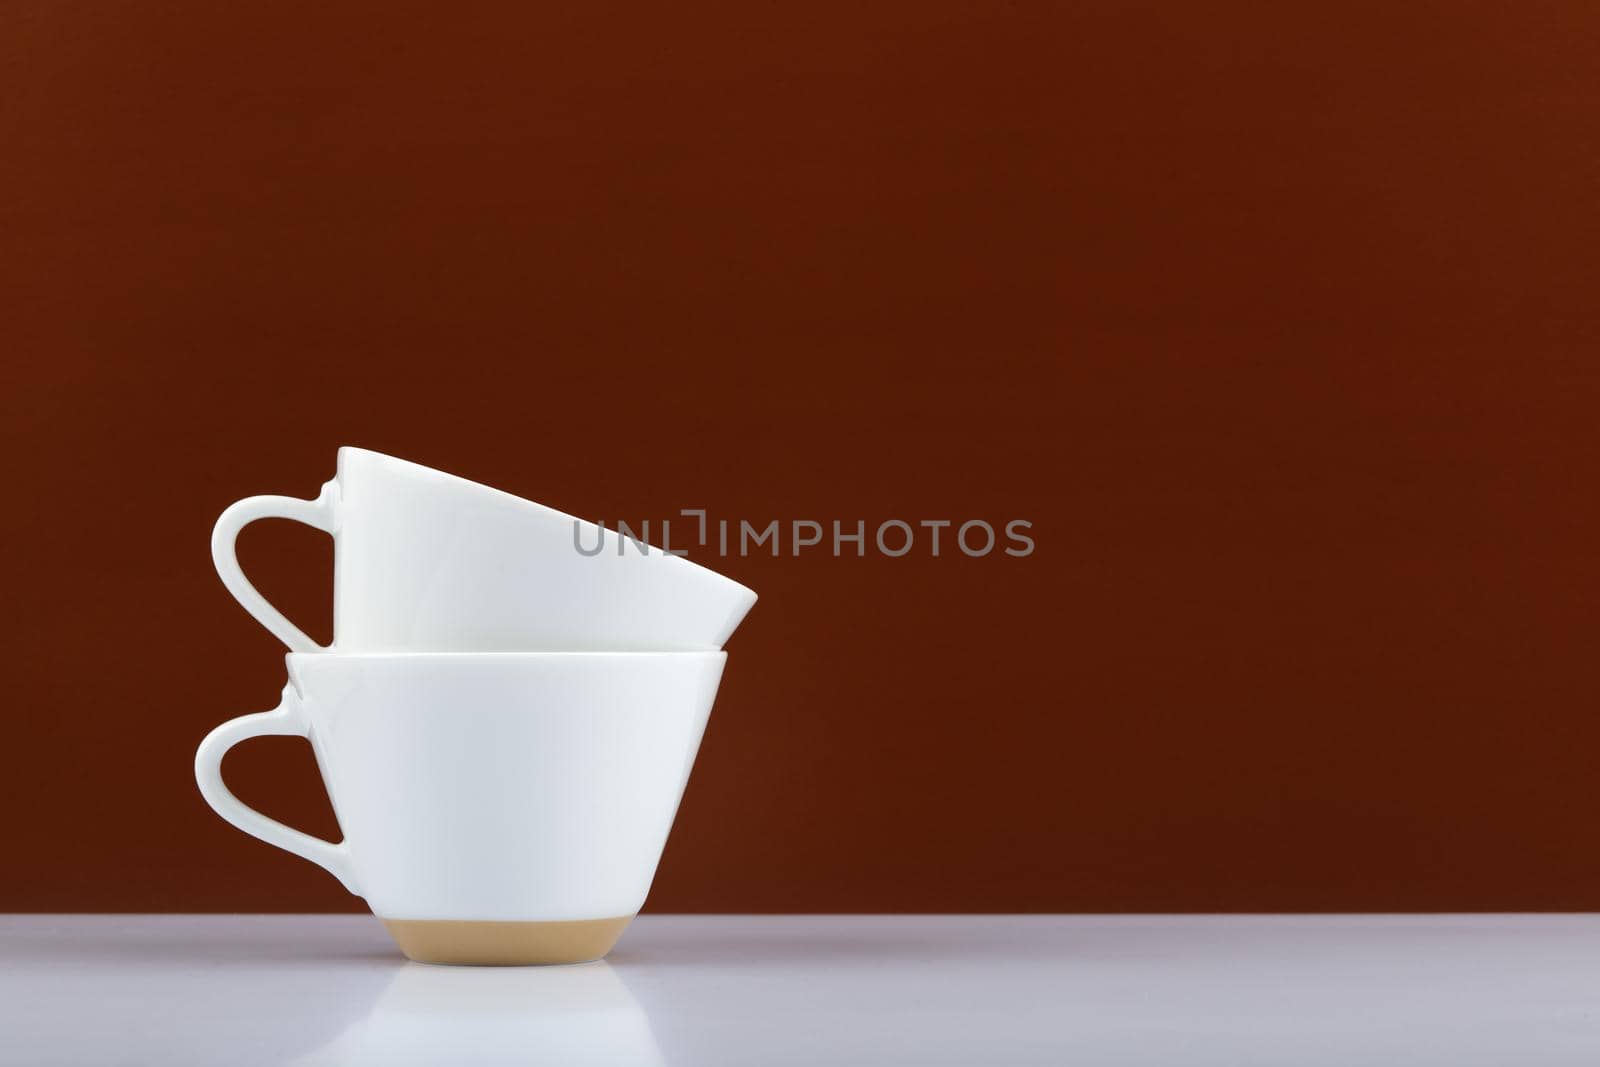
(499, 808)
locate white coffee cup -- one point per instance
(496, 807)
(428, 562)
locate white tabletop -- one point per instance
(1390, 990)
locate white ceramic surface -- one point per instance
(428, 562)
(493, 787)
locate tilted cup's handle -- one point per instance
(286, 719)
(321, 513)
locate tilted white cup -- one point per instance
(496, 807)
(428, 562)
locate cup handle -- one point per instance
(286, 719)
(321, 513)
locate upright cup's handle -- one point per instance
(287, 718)
(321, 513)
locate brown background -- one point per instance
(1279, 322)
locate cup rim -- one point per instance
(543, 655)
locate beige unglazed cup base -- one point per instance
(505, 944)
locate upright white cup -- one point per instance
(496, 808)
(428, 562)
